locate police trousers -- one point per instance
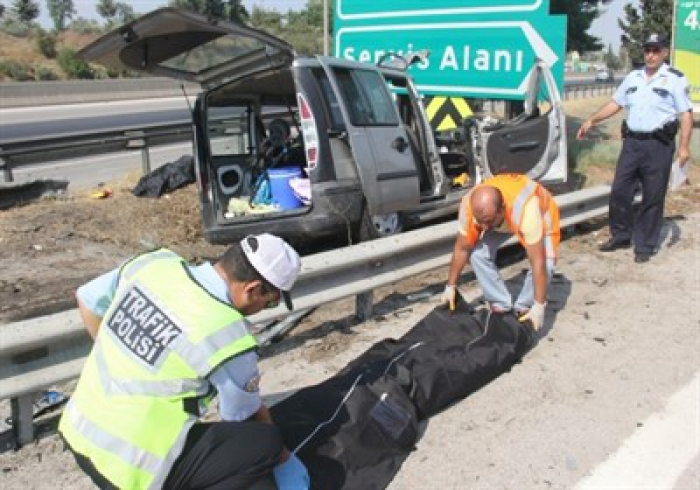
(646, 164)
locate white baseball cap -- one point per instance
(274, 260)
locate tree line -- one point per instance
(303, 28)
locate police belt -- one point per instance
(640, 135)
(665, 134)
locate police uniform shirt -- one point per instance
(236, 380)
(653, 102)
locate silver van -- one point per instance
(310, 146)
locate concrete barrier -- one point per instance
(24, 94)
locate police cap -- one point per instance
(656, 40)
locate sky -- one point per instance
(86, 8)
(604, 27)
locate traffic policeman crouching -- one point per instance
(657, 103)
(167, 338)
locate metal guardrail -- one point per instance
(14, 153)
(22, 152)
(42, 352)
(589, 90)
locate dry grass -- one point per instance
(592, 159)
(596, 156)
(25, 50)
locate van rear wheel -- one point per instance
(378, 226)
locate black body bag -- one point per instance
(355, 429)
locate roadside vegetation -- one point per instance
(29, 51)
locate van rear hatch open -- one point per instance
(185, 46)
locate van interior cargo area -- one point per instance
(256, 150)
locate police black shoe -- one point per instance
(614, 244)
(641, 258)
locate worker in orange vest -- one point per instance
(495, 210)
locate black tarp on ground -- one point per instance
(166, 178)
(382, 396)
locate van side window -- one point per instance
(366, 97)
(332, 103)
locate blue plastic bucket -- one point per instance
(282, 193)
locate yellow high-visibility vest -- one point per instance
(145, 383)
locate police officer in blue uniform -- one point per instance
(657, 103)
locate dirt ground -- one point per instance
(50, 247)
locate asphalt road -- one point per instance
(103, 168)
(32, 122)
(21, 124)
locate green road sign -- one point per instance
(686, 44)
(478, 48)
(489, 59)
(376, 9)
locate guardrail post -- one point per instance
(363, 305)
(145, 160)
(23, 418)
(6, 169)
(140, 142)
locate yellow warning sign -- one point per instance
(447, 112)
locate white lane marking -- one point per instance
(657, 453)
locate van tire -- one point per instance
(379, 226)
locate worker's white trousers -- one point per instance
(483, 261)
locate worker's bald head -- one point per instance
(487, 206)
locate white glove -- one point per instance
(535, 315)
(449, 296)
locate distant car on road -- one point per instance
(604, 75)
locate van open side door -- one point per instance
(533, 143)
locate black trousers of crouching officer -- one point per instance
(646, 162)
(228, 456)
(217, 456)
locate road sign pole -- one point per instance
(673, 32)
(325, 27)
